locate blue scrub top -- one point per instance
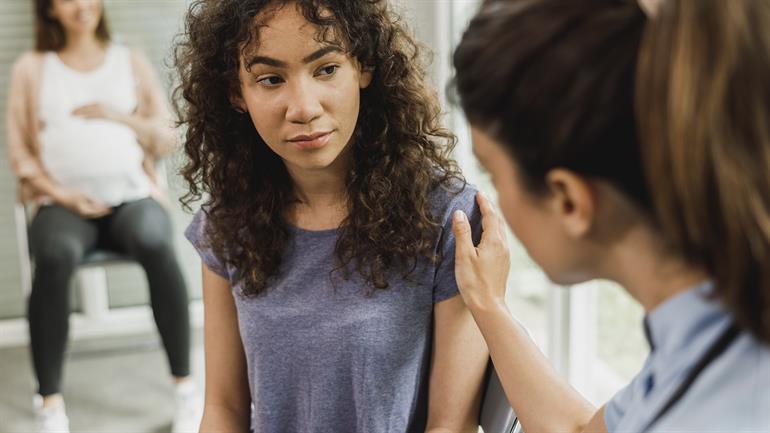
(731, 395)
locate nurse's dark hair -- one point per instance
(553, 81)
(400, 150)
(704, 115)
(49, 33)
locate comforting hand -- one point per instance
(82, 204)
(482, 271)
(97, 111)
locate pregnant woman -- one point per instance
(86, 120)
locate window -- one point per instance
(592, 332)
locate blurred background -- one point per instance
(115, 373)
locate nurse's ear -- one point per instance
(573, 200)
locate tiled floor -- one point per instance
(112, 385)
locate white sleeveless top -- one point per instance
(98, 157)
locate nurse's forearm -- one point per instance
(542, 400)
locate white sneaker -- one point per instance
(52, 419)
(189, 408)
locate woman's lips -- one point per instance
(315, 141)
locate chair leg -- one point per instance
(92, 286)
(25, 265)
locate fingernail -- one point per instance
(460, 216)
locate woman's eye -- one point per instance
(271, 81)
(328, 70)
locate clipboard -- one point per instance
(497, 416)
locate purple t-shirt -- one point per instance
(324, 357)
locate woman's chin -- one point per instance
(569, 278)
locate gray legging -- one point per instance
(60, 238)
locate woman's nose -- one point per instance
(304, 106)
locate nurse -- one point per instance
(676, 210)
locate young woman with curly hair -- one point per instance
(325, 236)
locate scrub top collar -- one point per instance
(689, 320)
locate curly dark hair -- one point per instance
(401, 152)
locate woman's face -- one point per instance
(535, 220)
(77, 16)
(302, 95)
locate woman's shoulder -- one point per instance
(125, 52)
(140, 63)
(199, 224)
(136, 54)
(123, 49)
(450, 195)
(27, 71)
(28, 62)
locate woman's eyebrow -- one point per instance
(322, 52)
(269, 61)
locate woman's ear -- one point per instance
(650, 7)
(239, 105)
(365, 76)
(574, 201)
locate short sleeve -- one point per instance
(196, 234)
(445, 284)
(616, 408)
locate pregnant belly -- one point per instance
(82, 149)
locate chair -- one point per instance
(497, 416)
(91, 275)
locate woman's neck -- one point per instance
(82, 44)
(322, 198)
(651, 275)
